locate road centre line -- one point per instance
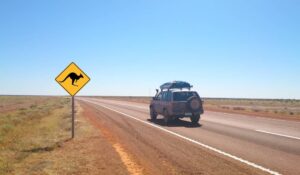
(193, 141)
(282, 135)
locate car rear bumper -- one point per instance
(186, 114)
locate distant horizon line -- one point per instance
(122, 96)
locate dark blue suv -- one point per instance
(176, 100)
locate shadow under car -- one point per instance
(176, 123)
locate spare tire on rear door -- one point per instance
(193, 103)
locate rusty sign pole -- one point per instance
(73, 117)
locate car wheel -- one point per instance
(195, 119)
(194, 103)
(166, 117)
(176, 119)
(153, 114)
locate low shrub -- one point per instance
(238, 108)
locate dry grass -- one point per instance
(12, 103)
(275, 108)
(28, 130)
(35, 139)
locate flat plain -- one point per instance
(35, 137)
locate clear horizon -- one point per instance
(232, 49)
(149, 97)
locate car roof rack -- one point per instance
(176, 85)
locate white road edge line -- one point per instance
(193, 141)
(282, 135)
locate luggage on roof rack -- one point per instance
(176, 85)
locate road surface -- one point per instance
(243, 144)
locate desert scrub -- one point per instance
(34, 127)
(238, 108)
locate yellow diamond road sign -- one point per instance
(72, 79)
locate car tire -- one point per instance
(166, 117)
(176, 119)
(195, 119)
(153, 114)
(193, 103)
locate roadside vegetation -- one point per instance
(274, 108)
(31, 125)
(35, 139)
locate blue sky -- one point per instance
(234, 48)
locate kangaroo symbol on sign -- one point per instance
(74, 77)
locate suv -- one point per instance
(174, 102)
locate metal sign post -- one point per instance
(72, 79)
(73, 117)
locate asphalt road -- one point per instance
(267, 145)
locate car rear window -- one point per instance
(183, 96)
